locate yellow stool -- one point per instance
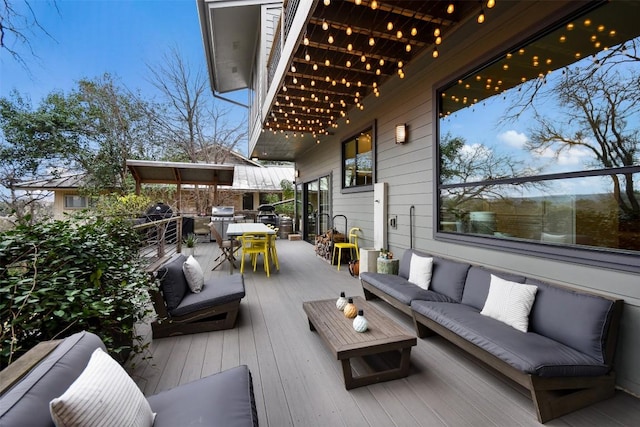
(351, 245)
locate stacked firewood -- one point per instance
(325, 241)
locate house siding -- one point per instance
(409, 171)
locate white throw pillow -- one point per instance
(102, 396)
(420, 271)
(510, 302)
(193, 273)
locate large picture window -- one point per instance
(542, 145)
(358, 160)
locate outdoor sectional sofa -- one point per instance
(565, 357)
(50, 368)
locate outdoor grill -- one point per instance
(267, 215)
(220, 217)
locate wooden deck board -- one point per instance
(298, 382)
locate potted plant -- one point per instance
(190, 243)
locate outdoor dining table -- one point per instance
(238, 229)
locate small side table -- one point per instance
(388, 266)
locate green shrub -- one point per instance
(61, 277)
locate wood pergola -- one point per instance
(179, 173)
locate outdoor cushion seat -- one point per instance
(181, 311)
(223, 399)
(215, 292)
(530, 353)
(402, 290)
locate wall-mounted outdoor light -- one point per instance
(401, 133)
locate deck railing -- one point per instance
(160, 240)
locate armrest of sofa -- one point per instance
(27, 402)
(21, 367)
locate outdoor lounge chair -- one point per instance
(181, 311)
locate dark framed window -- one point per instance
(76, 202)
(358, 160)
(539, 149)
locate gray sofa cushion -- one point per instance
(528, 352)
(27, 403)
(448, 277)
(172, 281)
(576, 319)
(476, 287)
(405, 262)
(224, 399)
(401, 289)
(216, 291)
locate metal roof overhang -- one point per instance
(152, 172)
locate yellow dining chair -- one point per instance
(351, 245)
(254, 244)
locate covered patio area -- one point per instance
(297, 382)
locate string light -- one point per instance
(450, 8)
(491, 4)
(481, 16)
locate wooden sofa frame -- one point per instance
(552, 396)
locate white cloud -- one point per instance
(567, 157)
(513, 138)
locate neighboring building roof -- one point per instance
(249, 178)
(67, 182)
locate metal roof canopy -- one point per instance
(152, 172)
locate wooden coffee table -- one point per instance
(375, 352)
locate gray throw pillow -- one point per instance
(172, 282)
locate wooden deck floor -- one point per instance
(298, 383)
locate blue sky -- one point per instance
(92, 37)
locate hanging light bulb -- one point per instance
(325, 26)
(348, 64)
(348, 31)
(438, 40)
(327, 2)
(381, 62)
(435, 53)
(450, 8)
(307, 57)
(414, 31)
(374, 5)
(399, 34)
(390, 26)
(436, 32)
(306, 41)
(358, 2)
(491, 4)
(330, 39)
(481, 16)
(408, 48)
(293, 68)
(349, 47)
(372, 41)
